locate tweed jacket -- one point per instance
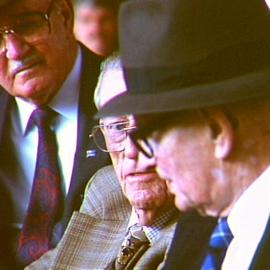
(95, 234)
(83, 167)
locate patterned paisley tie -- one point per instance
(219, 242)
(134, 245)
(46, 197)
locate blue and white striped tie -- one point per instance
(218, 244)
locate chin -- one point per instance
(182, 204)
(144, 204)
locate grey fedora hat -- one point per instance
(184, 54)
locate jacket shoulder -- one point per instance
(104, 198)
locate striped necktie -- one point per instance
(218, 244)
(46, 197)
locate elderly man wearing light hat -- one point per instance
(198, 75)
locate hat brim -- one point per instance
(231, 90)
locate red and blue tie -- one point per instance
(46, 198)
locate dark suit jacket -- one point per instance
(83, 168)
(190, 242)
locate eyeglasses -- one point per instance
(32, 26)
(112, 137)
(144, 145)
(145, 136)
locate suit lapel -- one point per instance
(84, 167)
(5, 101)
(190, 241)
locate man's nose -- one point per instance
(131, 150)
(15, 46)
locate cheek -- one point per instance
(55, 72)
(61, 43)
(82, 32)
(183, 161)
(110, 31)
(180, 179)
(5, 80)
(117, 162)
(52, 58)
(166, 160)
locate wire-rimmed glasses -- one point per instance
(111, 137)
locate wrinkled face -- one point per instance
(185, 158)
(32, 65)
(138, 177)
(96, 27)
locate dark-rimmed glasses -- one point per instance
(32, 26)
(144, 145)
(115, 133)
(144, 137)
(150, 127)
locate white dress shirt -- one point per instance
(65, 103)
(247, 222)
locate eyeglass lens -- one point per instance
(144, 146)
(115, 133)
(31, 26)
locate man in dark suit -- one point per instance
(198, 75)
(41, 64)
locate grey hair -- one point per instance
(110, 63)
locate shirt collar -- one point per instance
(152, 232)
(67, 99)
(65, 102)
(25, 110)
(248, 216)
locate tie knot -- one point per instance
(41, 117)
(221, 236)
(137, 234)
(134, 245)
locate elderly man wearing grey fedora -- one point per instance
(198, 75)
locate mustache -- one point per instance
(19, 65)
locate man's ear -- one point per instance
(222, 132)
(68, 12)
